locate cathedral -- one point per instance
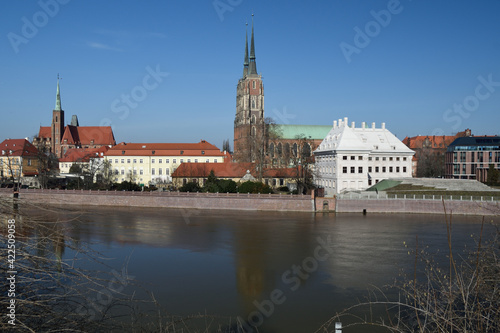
(256, 135)
(58, 138)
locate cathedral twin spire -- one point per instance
(249, 65)
(58, 96)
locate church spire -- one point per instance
(253, 65)
(246, 62)
(58, 96)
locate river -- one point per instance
(283, 272)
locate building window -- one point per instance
(182, 160)
(369, 158)
(189, 160)
(397, 158)
(404, 169)
(167, 160)
(390, 158)
(135, 172)
(360, 158)
(167, 171)
(397, 169)
(175, 160)
(128, 160)
(404, 158)
(282, 182)
(160, 171)
(344, 169)
(360, 169)
(390, 169)
(195, 160)
(153, 171)
(141, 172)
(369, 169)
(123, 160)
(344, 158)
(383, 169)
(141, 160)
(122, 171)
(208, 161)
(463, 168)
(376, 158)
(376, 169)
(116, 161)
(383, 158)
(353, 158)
(353, 169)
(369, 182)
(160, 160)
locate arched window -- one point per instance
(279, 149)
(253, 119)
(253, 130)
(294, 150)
(271, 149)
(286, 152)
(306, 150)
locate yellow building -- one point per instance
(18, 162)
(154, 163)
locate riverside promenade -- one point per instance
(264, 202)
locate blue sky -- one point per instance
(423, 67)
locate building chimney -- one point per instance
(373, 126)
(352, 124)
(340, 122)
(346, 121)
(334, 124)
(383, 125)
(363, 125)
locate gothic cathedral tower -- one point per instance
(57, 126)
(249, 119)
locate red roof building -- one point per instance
(19, 158)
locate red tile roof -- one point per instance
(221, 170)
(228, 170)
(83, 135)
(82, 154)
(435, 141)
(202, 148)
(18, 147)
(44, 132)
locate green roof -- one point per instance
(314, 132)
(384, 185)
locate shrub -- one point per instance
(190, 187)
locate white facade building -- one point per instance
(351, 158)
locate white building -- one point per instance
(351, 158)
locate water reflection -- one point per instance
(230, 263)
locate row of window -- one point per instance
(360, 158)
(160, 160)
(141, 171)
(370, 169)
(491, 156)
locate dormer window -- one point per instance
(203, 152)
(123, 152)
(182, 152)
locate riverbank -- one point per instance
(256, 202)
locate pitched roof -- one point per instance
(82, 154)
(18, 147)
(44, 132)
(221, 170)
(314, 132)
(344, 138)
(228, 170)
(433, 141)
(202, 148)
(84, 135)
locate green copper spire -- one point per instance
(246, 62)
(58, 96)
(253, 65)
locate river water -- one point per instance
(283, 272)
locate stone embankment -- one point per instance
(263, 202)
